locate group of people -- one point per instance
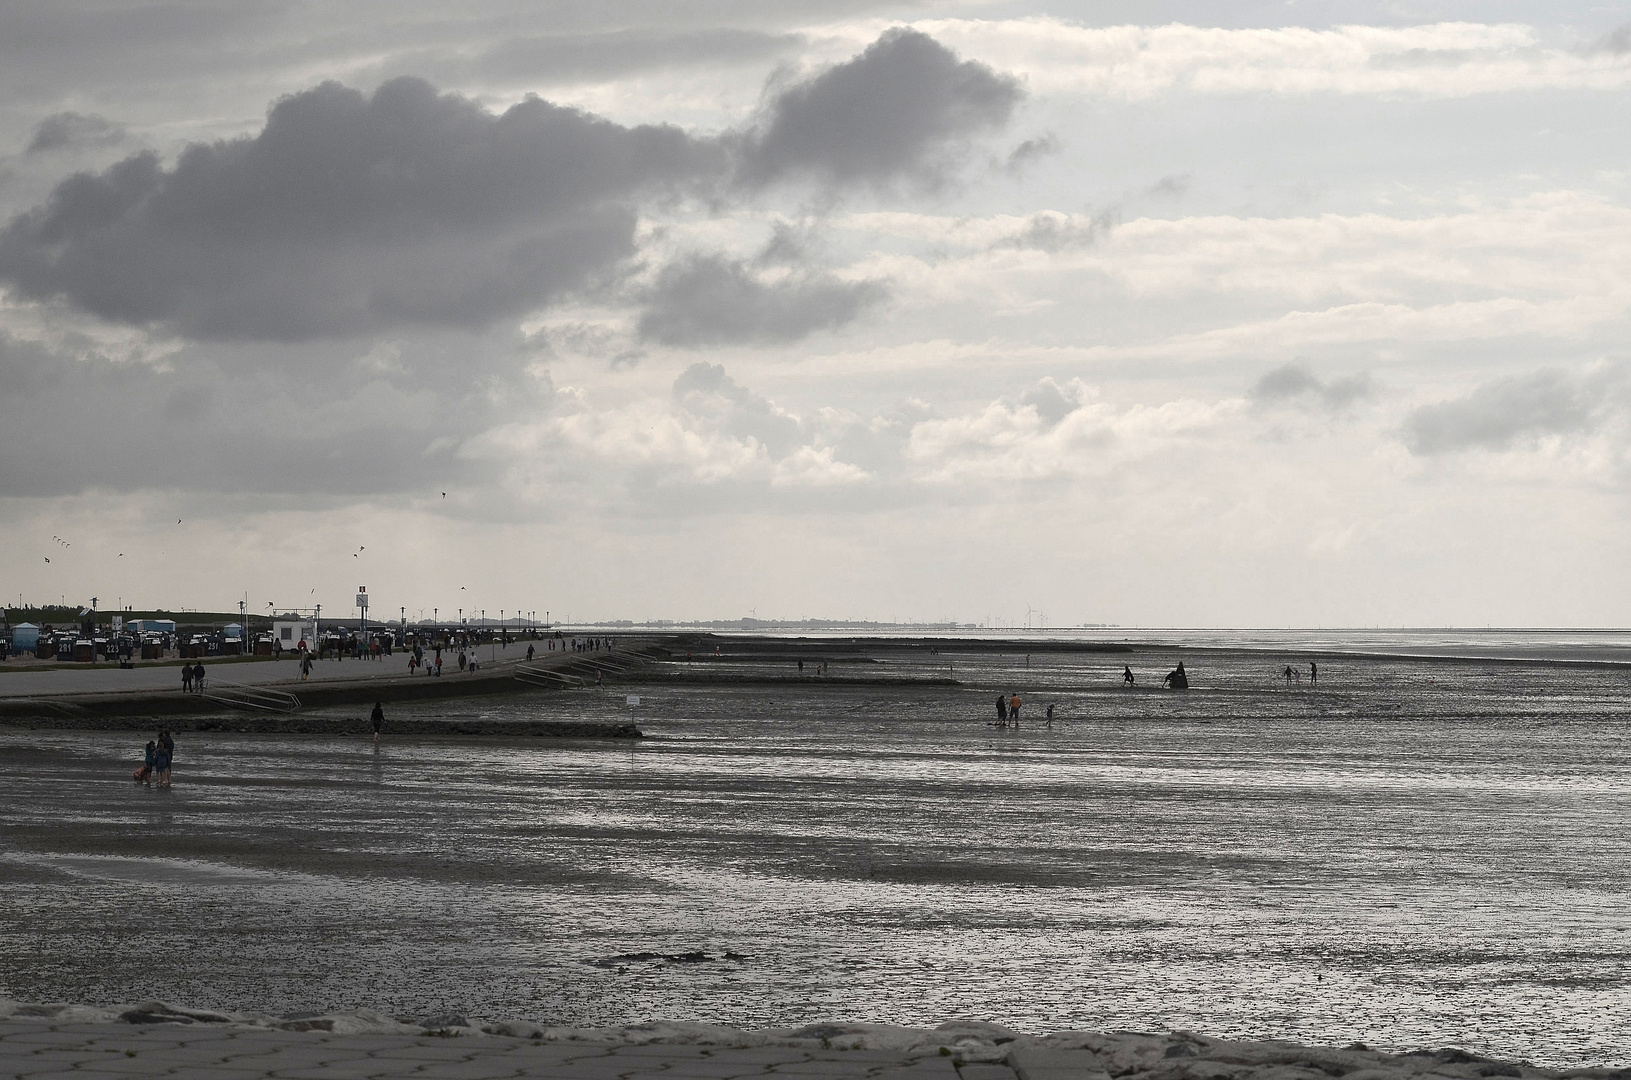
(1177, 678)
(1008, 706)
(156, 766)
(1295, 674)
(192, 678)
(583, 644)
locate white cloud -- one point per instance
(811, 467)
(1022, 438)
(1135, 62)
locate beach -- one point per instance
(156, 1039)
(1415, 854)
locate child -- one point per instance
(144, 775)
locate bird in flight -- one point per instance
(48, 558)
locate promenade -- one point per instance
(257, 693)
(108, 677)
(156, 1040)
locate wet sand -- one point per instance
(1414, 855)
(154, 1038)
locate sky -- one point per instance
(1165, 313)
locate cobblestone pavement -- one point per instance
(40, 1050)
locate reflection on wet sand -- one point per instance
(1417, 853)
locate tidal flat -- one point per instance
(1417, 853)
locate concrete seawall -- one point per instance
(283, 705)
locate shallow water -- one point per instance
(1418, 853)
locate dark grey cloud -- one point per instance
(1501, 414)
(901, 109)
(713, 300)
(1294, 382)
(352, 213)
(1032, 150)
(349, 213)
(71, 130)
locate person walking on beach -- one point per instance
(198, 677)
(1288, 675)
(1177, 678)
(161, 760)
(144, 775)
(377, 719)
(186, 678)
(1013, 709)
(167, 748)
(1127, 676)
(1002, 707)
(1050, 715)
(1313, 673)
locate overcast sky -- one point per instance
(1160, 313)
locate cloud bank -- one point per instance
(352, 213)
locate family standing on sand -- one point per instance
(156, 764)
(1293, 674)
